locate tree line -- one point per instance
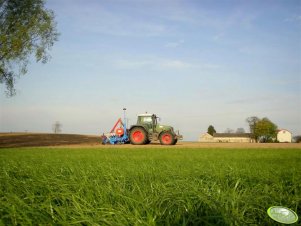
(261, 129)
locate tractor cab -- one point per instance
(147, 119)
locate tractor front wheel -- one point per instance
(138, 136)
(167, 138)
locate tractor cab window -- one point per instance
(147, 119)
(144, 119)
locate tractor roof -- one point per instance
(145, 114)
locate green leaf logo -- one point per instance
(282, 215)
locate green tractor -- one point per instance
(147, 129)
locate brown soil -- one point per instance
(84, 141)
(40, 139)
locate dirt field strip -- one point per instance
(41, 139)
(90, 141)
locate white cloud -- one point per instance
(219, 36)
(155, 64)
(158, 63)
(132, 64)
(294, 18)
(176, 64)
(93, 18)
(174, 44)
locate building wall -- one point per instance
(284, 136)
(232, 139)
(207, 138)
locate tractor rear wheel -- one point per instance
(138, 136)
(167, 138)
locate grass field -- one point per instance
(147, 186)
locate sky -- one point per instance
(194, 63)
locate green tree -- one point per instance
(265, 130)
(297, 139)
(262, 130)
(26, 28)
(211, 130)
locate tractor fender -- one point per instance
(163, 131)
(135, 126)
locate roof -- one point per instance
(247, 135)
(145, 114)
(279, 130)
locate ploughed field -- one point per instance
(147, 185)
(45, 139)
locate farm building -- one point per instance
(284, 136)
(226, 138)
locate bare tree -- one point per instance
(240, 130)
(57, 127)
(252, 121)
(228, 130)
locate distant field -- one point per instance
(108, 185)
